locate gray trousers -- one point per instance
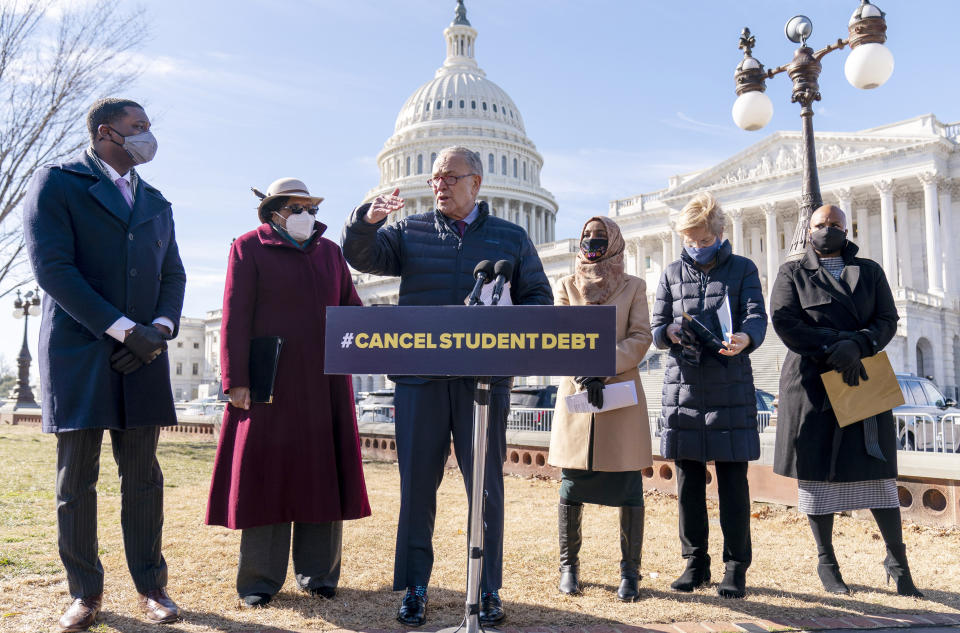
(264, 552)
(141, 507)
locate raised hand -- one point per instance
(383, 206)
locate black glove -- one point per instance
(594, 387)
(690, 346)
(852, 375)
(146, 342)
(124, 361)
(843, 355)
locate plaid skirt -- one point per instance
(827, 497)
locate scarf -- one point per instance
(599, 279)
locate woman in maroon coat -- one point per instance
(296, 460)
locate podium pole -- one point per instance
(475, 522)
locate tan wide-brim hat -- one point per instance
(284, 188)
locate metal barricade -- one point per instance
(530, 419)
(923, 431)
(763, 420)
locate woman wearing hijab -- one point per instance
(832, 308)
(295, 460)
(602, 454)
(709, 404)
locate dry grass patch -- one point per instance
(781, 583)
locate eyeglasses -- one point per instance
(296, 209)
(447, 180)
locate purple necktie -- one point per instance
(124, 188)
(461, 226)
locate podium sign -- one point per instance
(472, 340)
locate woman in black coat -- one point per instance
(709, 402)
(831, 309)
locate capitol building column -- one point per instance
(664, 251)
(888, 237)
(770, 243)
(931, 227)
(736, 231)
(949, 247)
(863, 228)
(640, 264)
(902, 211)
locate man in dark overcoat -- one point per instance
(434, 255)
(101, 244)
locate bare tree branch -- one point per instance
(51, 70)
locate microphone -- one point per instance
(483, 273)
(504, 270)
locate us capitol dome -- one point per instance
(460, 106)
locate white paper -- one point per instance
(615, 396)
(486, 294)
(726, 319)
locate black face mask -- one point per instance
(593, 248)
(828, 239)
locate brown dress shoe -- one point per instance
(158, 607)
(81, 614)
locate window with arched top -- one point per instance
(484, 106)
(439, 104)
(494, 107)
(490, 160)
(419, 163)
(462, 103)
(514, 167)
(450, 103)
(473, 105)
(503, 165)
(408, 166)
(433, 159)
(426, 108)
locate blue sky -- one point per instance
(617, 95)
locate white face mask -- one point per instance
(300, 226)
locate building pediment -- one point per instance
(781, 155)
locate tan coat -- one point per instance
(621, 441)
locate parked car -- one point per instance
(377, 406)
(531, 407)
(928, 420)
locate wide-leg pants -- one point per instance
(265, 550)
(141, 507)
(734, 496)
(426, 416)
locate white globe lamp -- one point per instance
(752, 110)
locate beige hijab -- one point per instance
(599, 279)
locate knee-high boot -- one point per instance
(631, 548)
(569, 517)
(895, 564)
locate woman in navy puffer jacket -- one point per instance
(709, 403)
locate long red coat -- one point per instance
(297, 459)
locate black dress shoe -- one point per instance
(413, 608)
(323, 592)
(256, 600)
(491, 608)
(695, 575)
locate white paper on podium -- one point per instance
(615, 396)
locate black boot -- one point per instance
(695, 575)
(734, 582)
(631, 548)
(827, 568)
(897, 568)
(570, 540)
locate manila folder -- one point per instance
(878, 393)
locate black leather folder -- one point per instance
(264, 355)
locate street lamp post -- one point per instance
(869, 65)
(24, 308)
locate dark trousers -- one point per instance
(426, 415)
(264, 552)
(734, 493)
(141, 507)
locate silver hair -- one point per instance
(472, 158)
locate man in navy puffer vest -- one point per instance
(434, 255)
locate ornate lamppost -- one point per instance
(24, 308)
(869, 65)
